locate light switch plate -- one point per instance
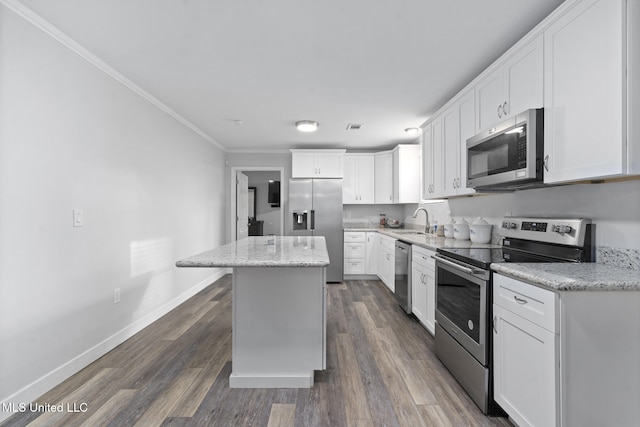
(78, 218)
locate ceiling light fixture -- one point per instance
(307, 126)
(412, 131)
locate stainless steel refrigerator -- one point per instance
(315, 209)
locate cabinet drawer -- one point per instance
(527, 301)
(354, 250)
(354, 236)
(422, 256)
(353, 266)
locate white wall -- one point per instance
(614, 207)
(151, 190)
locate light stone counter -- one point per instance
(572, 276)
(254, 251)
(428, 241)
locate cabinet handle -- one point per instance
(493, 324)
(520, 300)
(504, 109)
(388, 257)
(499, 111)
(545, 163)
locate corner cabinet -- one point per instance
(317, 163)
(383, 180)
(406, 173)
(592, 52)
(358, 182)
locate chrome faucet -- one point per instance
(426, 213)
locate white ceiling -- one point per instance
(386, 64)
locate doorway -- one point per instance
(272, 216)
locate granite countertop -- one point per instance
(573, 276)
(428, 241)
(253, 251)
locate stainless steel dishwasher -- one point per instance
(402, 277)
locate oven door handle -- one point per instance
(456, 265)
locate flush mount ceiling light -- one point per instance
(307, 126)
(412, 131)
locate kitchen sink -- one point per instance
(407, 232)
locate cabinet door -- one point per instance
(406, 173)
(467, 119)
(523, 76)
(383, 180)
(525, 369)
(490, 93)
(418, 292)
(427, 161)
(330, 165)
(372, 251)
(303, 165)
(451, 149)
(350, 180)
(583, 60)
(437, 159)
(430, 289)
(366, 177)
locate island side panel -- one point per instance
(278, 326)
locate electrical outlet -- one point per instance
(116, 295)
(78, 218)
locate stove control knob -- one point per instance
(562, 229)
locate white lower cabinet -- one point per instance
(524, 369)
(387, 261)
(567, 358)
(371, 253)
(361, 253)
(354, 252)
(423, 286)
(524, 352)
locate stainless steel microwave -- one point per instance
(508, 156)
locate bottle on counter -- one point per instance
(383, 220)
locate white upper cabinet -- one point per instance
(383, 181)
(406, 173)
(359, 176)
(317, 163)
(589, 91)
(512, 86)
(427, 160)
(433, 163)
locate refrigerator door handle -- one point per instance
(313, 219)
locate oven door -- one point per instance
(461, 304)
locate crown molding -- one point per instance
(39, 22)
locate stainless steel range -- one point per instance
(463, 292)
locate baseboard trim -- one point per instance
(48, 381)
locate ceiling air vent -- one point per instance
(354, 126)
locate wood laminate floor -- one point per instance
(381, 371)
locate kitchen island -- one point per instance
(279, 308)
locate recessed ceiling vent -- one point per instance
(354, 126)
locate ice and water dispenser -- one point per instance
(302, 220)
